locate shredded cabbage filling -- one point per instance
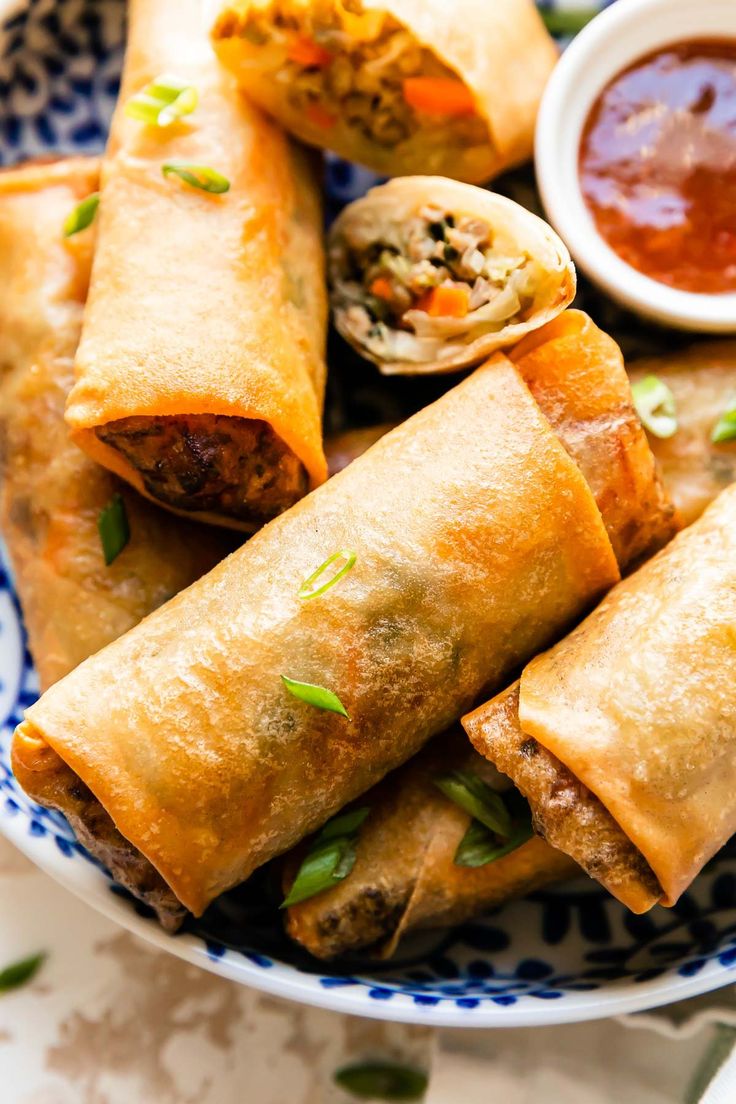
(423, 289)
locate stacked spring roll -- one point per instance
(244, 713)
(697, 453)
(405, 875)
(403, 86)
(52, 495)
(200, 372)
(622, 737)
(429, 275)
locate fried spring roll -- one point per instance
(200, 373)
(403, 86)
(702, 379)
(405, 876)
(623, 736)
(51, 494)
(488, 544)
(429, 275)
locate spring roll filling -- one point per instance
(341, 66)
(424, 289)
(211, 463)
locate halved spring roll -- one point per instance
(52, 495)
(429, 275)
(702, 380)
(401, 85)
(623, 736)
(200, 373)
(210, 763)
(405, 876)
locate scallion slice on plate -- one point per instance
(330, 858)
(163, 101)
(114, 528)
(197, 176)
(82, 216)
(318, 696)
(316, 584)
(655, 405)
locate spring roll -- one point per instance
(702, 379)
(405, 876)
(51, 494)
(200, 372)
(623, 736)
(402, 86)
(429, 275)
(210, 763)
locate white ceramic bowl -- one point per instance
(610, 43)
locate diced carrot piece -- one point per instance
(305, 51)
(445, 302)
(381, 288)
(439, 96)
(320, 116)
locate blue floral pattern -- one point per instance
(572, 947)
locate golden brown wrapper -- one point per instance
(184, 730)
(405, 876)
(635, 707)
(202, 305)
(501, 53)
(702, 379)
(51, 493)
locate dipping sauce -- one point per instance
(658, 165)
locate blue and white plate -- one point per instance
(566, 954)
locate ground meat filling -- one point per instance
(209, 463)
(422, 289)
(363, 69)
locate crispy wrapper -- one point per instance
(703, 380)
(383, 215)
(405, 877)
(52, 494)
(623, 736)
(500, 52)
(486, 546)
(200, 373)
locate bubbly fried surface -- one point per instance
(564, 811)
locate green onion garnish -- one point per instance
(113, 528)
(19, 973)
(655, 405)
(197, 176)
(725, 428)
(317, 696)
(82, 216)
(330, 859)
(382, 1081)
(161, 102)
(308, 589)
(567, 22)
(480, 846)
(476, 797)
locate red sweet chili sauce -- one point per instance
(658, 165)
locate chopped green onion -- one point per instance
(317, 696)
(382, 1081)
(330, 858)
(19, 973)
(480, 846)
(725, 428)
(476, 797)
(567, 22)
(655, 405)
(197, 176)
(82, 216)
(308, 588)
(113, 528)
(161, 102)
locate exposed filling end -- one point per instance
(211, 463)
(49, 781)
(424, 289)
(340, 66)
